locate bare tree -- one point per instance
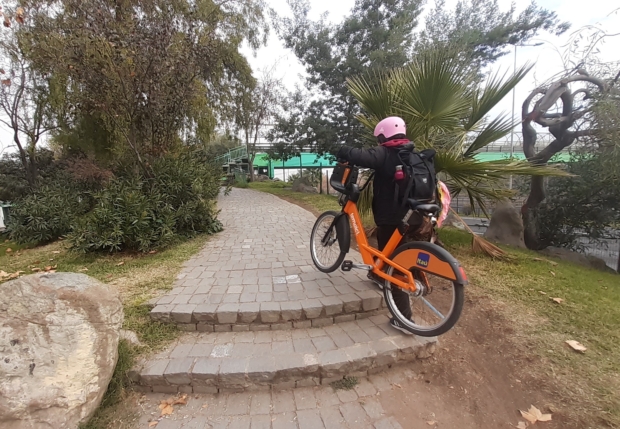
(24, 96)
(257, 105)
(574, 120)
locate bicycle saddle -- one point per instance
(423, 207)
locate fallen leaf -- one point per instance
(56, 252)
(576, 345)
(83, 269)
(19, 15)
(167, 410)
(431, 422)
(542, 293)
(397, 385)
(120, 263)
(152, 252)
(534, 415)
(51, 271)
(552, 273)
(7, 23)
(521, 425)
(9, 250)
(6, 82)
(204, 406)
(153, 424)
(3, 274)
(48, 268)
(180, 401)
(36, 270)
(558, 300)
(2, 72)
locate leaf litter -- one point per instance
(533, 415)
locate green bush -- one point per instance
(586, 204)
(48, 213)
(144, 213)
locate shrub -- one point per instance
(586, 204)
(142, 213)
(48, 213)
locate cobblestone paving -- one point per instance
(261, 264)
(319, 407)
(225, 361)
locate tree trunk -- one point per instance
(251, 167)
(529, 216)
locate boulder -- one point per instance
(302, 184)
(588, 261)
(452, 220)
(59, 338)
(506, 226)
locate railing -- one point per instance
(234, 154)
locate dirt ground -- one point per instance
(480, 378)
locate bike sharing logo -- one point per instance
(355, 227)
(423, 259)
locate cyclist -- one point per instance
(383, 159)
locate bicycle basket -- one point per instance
(342, 176)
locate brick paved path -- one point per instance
(258, 271)
(319, 407)
(257, 275)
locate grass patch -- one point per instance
(590, 314)
(138, 278)
(347, 383)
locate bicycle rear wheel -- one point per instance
(325, 247)
(437, 304)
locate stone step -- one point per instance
(236, 361)
(350, 298)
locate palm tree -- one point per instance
(446, 108)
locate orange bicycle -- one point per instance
(432, 278)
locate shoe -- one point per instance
(397, 325)
(376, 280)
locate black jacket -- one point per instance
(384, 161)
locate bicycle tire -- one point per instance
(316, 243)
(458, 294)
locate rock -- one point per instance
(452, 220)
(588, 261)
(130, 336)
(59, 338)
(302, 184)
(506, 225)
(261, 178)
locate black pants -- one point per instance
(401, 298)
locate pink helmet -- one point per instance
(390, 127)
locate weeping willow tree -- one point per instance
(446, 108)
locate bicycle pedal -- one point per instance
(349, 265)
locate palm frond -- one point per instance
(484, 180)
(374, 94)
(495, 89)
(431, 95)
(495, 130)
(479, 244)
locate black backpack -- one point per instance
(420, 181)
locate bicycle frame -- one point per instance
(426, 263)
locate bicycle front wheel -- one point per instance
(437, 304)
(324, 244)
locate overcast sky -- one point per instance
(547, 57)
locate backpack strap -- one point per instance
(405, 154)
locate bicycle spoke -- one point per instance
(434, 310)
